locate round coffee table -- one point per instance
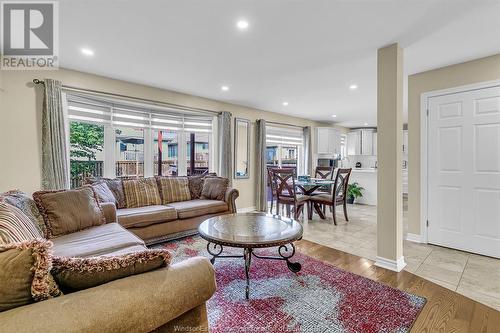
(250, 231)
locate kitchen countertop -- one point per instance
(366, 170)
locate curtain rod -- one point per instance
(136, 99)
(284, 124)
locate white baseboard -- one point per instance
(393, 265)
(246, 209)
(414, 238)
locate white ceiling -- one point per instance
(303, 52)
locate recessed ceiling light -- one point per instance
(224, 88)
(242, 24)
(334, 116)
(285, 103)
(87, 52)
(353, 86)
(366, 124)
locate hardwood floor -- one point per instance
(445, 310)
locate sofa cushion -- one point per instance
(27, 205)
(25, 275)
(214, 188)
(15, 226)
(141, 192)
(72, 274)
(173, 189)
(68, 211)
(115, 186)
(103, 193)
(144, 216)
(198, 207)
(95, 241)
(195, 184)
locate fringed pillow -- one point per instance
(25, 273)
(27, 205)
(72, 274)
(173, 189)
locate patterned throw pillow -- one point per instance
(103, 192)
(27, 205)
(68, 211)
(174, 189)
(214, 188)
(141, 192)
(195, 186)
(25, 275)
(72, 274)
(116, 187)
(15, 226)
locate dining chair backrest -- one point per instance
(324, 172)
(341, 184)
(284, 183)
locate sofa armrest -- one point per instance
(230, 198)
(109, 210)
(138, 303)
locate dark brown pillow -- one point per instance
(72, 274)
(103, 192)
(25, 273)
(68, 211)
(195, 184)
(116, 187)
(214, 188)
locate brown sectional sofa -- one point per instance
(164, 300)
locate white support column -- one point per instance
(389, 146)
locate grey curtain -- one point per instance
(261, 174)
(54, 149)
(308, 158)
(225, 151)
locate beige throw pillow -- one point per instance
(174, 189)
(68, 211)
(141, 192)
(214, 188)
(24, 274)
(72, 274)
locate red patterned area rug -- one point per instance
(320, 298)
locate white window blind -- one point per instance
(88, 109)
(284, 135)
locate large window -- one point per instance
(285, 147)
(114, 138)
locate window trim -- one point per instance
(109, 147)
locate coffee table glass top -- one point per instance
(250, 229)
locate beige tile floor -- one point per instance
(474, 276)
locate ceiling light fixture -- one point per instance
(242, 24)
(285, 103)
(334, 116)
(224, 88)
(366, 124)
(353, 86)
(87, 52)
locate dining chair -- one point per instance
(286, 193)
(270, 184)
(324, 172)
(336, 198)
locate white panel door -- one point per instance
(464, 171)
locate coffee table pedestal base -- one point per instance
(285, 252)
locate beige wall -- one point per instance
(484, 69)
(20, 119)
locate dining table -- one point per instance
(307, 187)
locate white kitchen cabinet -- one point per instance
(354, 143)
(366, 142)
(360, 142)
(328, 141)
